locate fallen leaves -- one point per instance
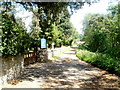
(14, 82)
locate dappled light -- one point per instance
(67, 73)
(60, 45)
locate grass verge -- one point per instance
(102, 61)
(58, 55)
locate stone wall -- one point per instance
(11, 68)
(42, 55)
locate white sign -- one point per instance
(43, 43)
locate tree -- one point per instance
(102, 33)
(49, 13)
(14, 37)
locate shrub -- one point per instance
(100, 60)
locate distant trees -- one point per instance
(67, 29)
(102, 40)
(102, 32)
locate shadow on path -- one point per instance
(69, 72)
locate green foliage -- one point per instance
(103, 61)
(69, 33)
(50, 21)
(35, 28)
(83, 46)
(15, 40)
(102, 37)
(102, 33)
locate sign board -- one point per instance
(43, 43)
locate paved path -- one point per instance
(66, 72)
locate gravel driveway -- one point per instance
(66, 72)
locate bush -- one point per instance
(103, 61)
(83, 46)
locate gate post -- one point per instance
(42, 54)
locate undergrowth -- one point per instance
(100, 60)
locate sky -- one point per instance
(25, 15)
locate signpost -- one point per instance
(43, 43)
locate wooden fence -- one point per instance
(30, 57)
